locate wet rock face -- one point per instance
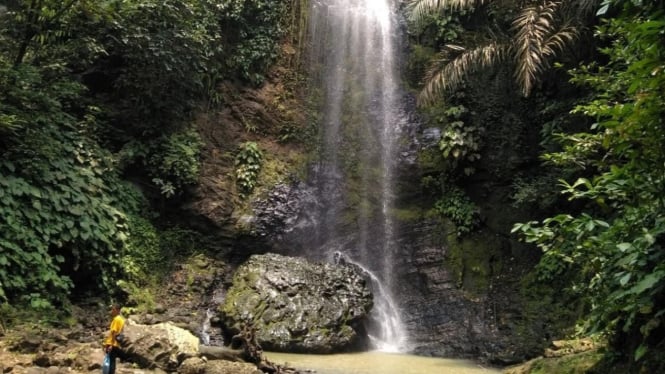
(298, 306)
(284, 210)
(441, 318)
(467, 307)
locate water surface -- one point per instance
(378, 362)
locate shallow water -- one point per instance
(377, 362)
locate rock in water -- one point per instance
(298, 306)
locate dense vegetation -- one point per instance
(605, 247)
(97, 100)
(96, 105)
(613, 248)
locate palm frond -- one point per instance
(446, 74)
(557, 42)
(418, 9)
(533, 26)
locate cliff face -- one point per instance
(469, 295)
(463, 296)
(274, 117)
(475, 293)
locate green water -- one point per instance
(377, 363)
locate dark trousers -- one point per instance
(115, 353)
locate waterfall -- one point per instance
(353, 75)
(204, 335)
(386, 330)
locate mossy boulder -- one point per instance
(298, 306)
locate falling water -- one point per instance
(386, 332)
(205, 327)
(353, 65)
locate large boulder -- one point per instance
(298, 306)
(164, 345)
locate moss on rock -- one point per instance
(578, 363)
(473, 261)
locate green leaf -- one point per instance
(647, 282)
(604, 8)
(76, 210)
(623, 247)
(624, 280)
(641, 351)
(35, 192)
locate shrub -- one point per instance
(248, 165)
(456, 206)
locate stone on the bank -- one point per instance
(228, 367)
(192, 365)
(163, 346)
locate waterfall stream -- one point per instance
(353, 72)
(205, 327)
(386, 330)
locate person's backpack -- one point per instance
(121, 339)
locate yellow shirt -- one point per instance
(117, 324)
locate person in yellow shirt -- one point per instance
(111, 344)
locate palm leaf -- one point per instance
(533, 26)
(558, 41)
(446, 74)
(418, 9)
(540, 36)
(541, 32)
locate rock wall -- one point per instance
(460, 297)
(475, 295)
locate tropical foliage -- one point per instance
(613, 250)
(94, 94)
(251, 28)
(541, 30)
(174, 164)
(608, 243)
(460, 142)
(248, 162)
(457, 207)
(61, 198)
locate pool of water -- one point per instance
(377, 362)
